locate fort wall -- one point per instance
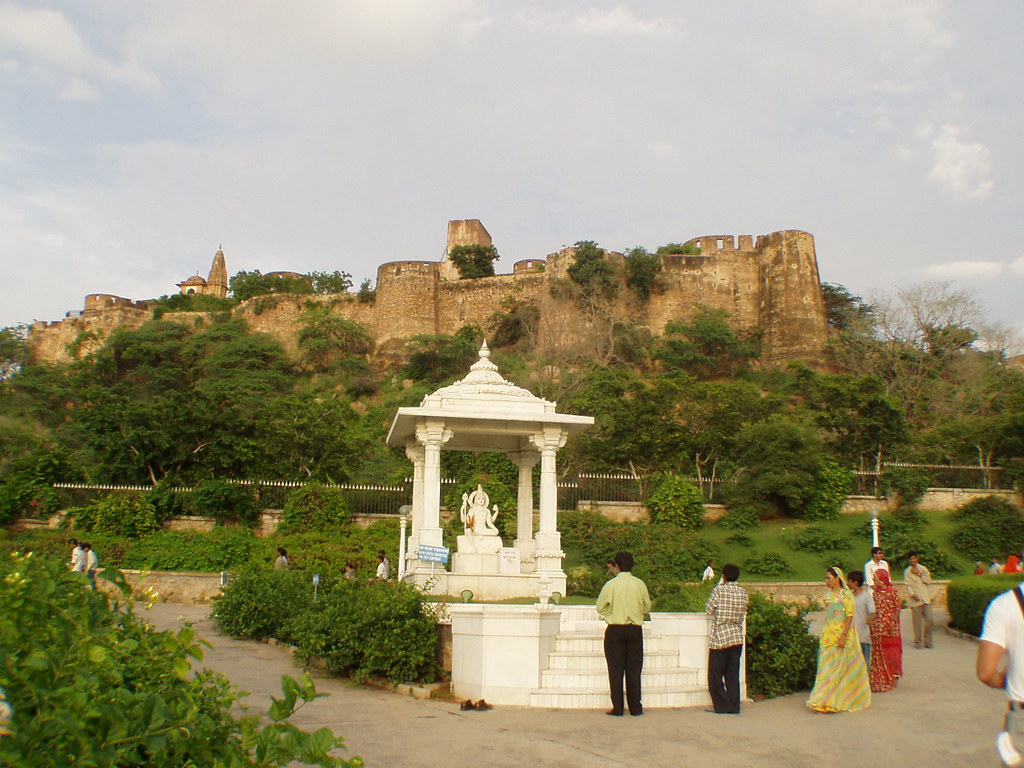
(769, 283)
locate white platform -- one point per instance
(553, 657)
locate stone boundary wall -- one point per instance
(184, 588)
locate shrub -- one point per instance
(770, 564)
(585, 581)
(90, 683)
(223, 501)
(312, 507)
(831, 486)
(908, 483)
(223, 548)
(739, 519)
(740, 540)
(969, 596)
(677, 501)
(781, 654)
(988, 526)
(361, 630)
(684, 598)
(817, 538)
(122, 513)
(258, 601)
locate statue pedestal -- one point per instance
(476, 554)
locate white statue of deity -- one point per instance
(475, 516)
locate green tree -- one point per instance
(677, 501)
(473, 260)
(326, 338)
(642, 270)
(13, 350)
(843, 310)
(707, 346)
(437, 358)
(329, 282)
(593, 273)
(682, 249)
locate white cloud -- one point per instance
(1017, 267)
(617, 21)
(47, 46)
(962, 170)
(950, 270)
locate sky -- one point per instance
(136, 138)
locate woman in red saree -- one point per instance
(886, 640)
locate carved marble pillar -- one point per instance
(526, 461)
(432, 435)
(549, 540)
(415, 454)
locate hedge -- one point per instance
(969, 596)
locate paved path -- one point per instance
(939, 716)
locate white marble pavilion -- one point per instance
(484, 412)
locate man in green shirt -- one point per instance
(623, 603)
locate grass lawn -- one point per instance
(777, 536)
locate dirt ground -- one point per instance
(939, 716)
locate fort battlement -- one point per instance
(769, 283)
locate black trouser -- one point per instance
(624, 652)
(724, 678)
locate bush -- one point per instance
(677, 501)
(782, 656)
(740, 540)
(817, 538)
(739, 519)
(831, 487)
(90, 683)
(362, 630)
(684, 598)
(986, 527)
(585, 581)
(122, 513)
(969, 596)
(908, 483)
(770, 564)
(223, 548)
(223, 501)
(258, 601)
(313, 507)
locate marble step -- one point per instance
(674, 678)
(591, 642)
(595, 659)
(653, 698)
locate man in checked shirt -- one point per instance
(727, 607)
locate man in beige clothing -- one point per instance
(919, 583)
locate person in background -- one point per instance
(841, 684)
(77, 557)
(350, 571)
(383, 567)
(995, 566)
(873, 565)
(979, 568)
(709, 572)
(282, 559)
(919, 583)
(886, 641)
(863, 611)
(1012, 564)
(623, 603)
(727, 607)
(92, 563)
(1002, 637)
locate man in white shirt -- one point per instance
(873, 565)
(863, 612)
(919, 584)
(1002, 636)
(383, 567)
(709, 572)
(77, 557)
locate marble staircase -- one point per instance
(576, 676)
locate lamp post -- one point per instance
(874, 527)
(401, 541)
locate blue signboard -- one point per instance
(433, 554)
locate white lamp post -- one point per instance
(874, 527)
(401, 540)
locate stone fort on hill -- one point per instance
(769, 283)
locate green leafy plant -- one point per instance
(986, 527)
(831, 487)
(684, 598)
(968, 598)
(91, 683)
(817, 538)
(769, 564)
(122, 513)
(223, 501)
(259, 601)
(313, 507)
(781, 654)
(907, 483)
(474, 260)
(677, 501)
